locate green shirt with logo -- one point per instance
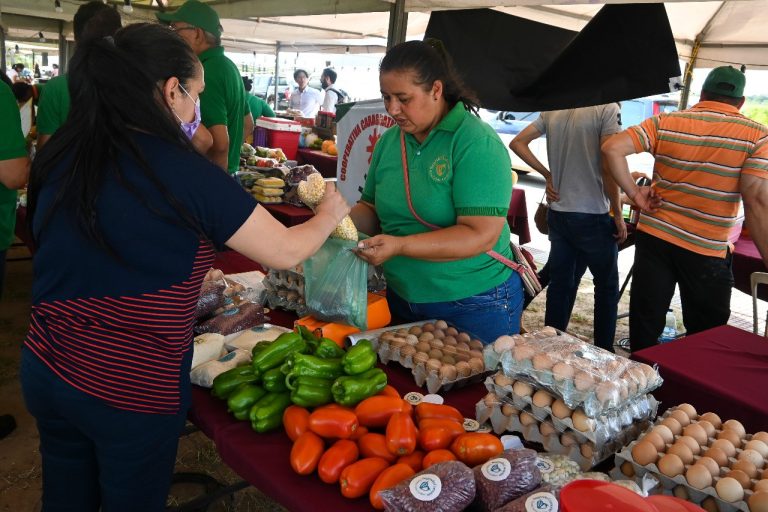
(12, 145)
(259, 107)
(461, 169)
(224, 100)
(54, 105)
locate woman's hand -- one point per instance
(333, 203)
(380, 248)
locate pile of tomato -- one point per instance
(381, 442)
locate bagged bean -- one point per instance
(543, 498)
(443, 487)
(211, 298)
(506, 477)
(242, 317)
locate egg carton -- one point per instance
(602, 428)
(287, 302)
(292, 279)
(582, 374)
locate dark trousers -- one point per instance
(705, 289)
(97, 457)
(578, 239)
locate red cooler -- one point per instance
(280, 133)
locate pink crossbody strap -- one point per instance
(493, 254)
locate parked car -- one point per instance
(509, 124)
(264, 87)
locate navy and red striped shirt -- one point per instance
(119, 326)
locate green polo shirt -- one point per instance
(259, 107)
(461, 169)
(12, 145)
(53, 108)
(224, 100)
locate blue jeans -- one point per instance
(586, 238)
(97, 457)
(486, 315)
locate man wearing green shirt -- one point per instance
(223, 103)
(100, 20)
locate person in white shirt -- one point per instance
(305, 98)
(328, 80)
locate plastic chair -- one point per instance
(755, 279)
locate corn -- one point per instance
(312, 190)
(346, 230)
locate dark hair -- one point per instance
(296, 73)
(18, 66)
(23, 92)
(330, 74)
(95, 19)
(711, 96)
(247, 83)
(115, 87)
(429, 61)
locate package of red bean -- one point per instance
(445, 487)
(211, 298)
(541, 499)
(506, 477)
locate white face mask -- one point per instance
(190, 127)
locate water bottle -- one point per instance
(670, 328)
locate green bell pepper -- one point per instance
(267, 413)
(225, 383)
(259, 347)
(328, 349)
(309, 391)
(309, 337)
(275, 354)
(242, 399)
(274, 380)
(305, 365)
(360, 358)
(351, 389)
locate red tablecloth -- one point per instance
(288, 214)
(324, 163)
(722, 370)
(747, 259)
(517, 217)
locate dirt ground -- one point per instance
(20, 470)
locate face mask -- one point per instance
(189, 128)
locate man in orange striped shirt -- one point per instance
(708, 158)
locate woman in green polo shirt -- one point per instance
(434, 247)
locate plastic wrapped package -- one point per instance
(557, 470)
(285, 289)
(543, 498)
(248, 285)
(444, 487)
(206, 347)
(578, 372)
(246, 340)
(292, 180)
(204, 374)
(505, 478)
(211, 298)
(241, 317)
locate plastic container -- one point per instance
(280, 133)
(670, 327)
(597, 496)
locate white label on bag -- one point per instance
(544, 465)
(426, 487)
(496, 470)
(471, 425)
(433, 399)
(414, 398)
(541, 502)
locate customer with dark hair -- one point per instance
(223, 105)
(126, 217)
(436, 198)
(259, 107)
(333, 94)
(304, 98)
(93, 19)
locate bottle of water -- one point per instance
(670, 328)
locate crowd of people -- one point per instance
(128, 204)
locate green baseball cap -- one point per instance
(725, 81)
(195, 13)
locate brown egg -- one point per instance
(448, 372)
(428, 327)
(508, 410)
(415, 330)
(522, 352)
(502, 380)
(729, 489)
(752, 456)
(423, 346)
(397, 342)
(527, 418)
(542, 362)
(583, 423)
(426, 336)
(546, 428)
(583, 381)
(730, 435)
(758, 446)
(761, 436)
(402, 332)
(463, 369)
(476, 354)
(713, 418)
(682, 451)
(451, 331)
(710, 464)
(681, 417)
(740, 477)
(698, 476)
(587, 450)
(697, 432)
(441, 324)
(567, 440)
(761, 486)
(665, 433)
(758, 502)
(746, 466)
(476, 365)
(673, 425)
(717, 455)
(607, 393)
(462, 347)
(562, 371)
(542, 399)
(736, 426)
(560, 410)
(689, 410)
(436, 343)
(681, 491)
(436, 353)
(420, 358)
(710, 505)
(433, 365)
(450, 341)
(708, 428)
(407, 351)
(463, 337)
(446, 359)
(476, 345)
(462, 356)
(671, 465)
(490, 400)
(627, 469)
(691, 442)
(764, 474)
(521, 388)
(449, 350)
(724, 445)
(644, 453)
(656, 440)
(439, 334)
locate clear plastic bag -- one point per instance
(445, 487)
(211, 298)
(336, 283)
(238, 318)
(505, 478)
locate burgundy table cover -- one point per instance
(323, 162)
(288, 214)
(517, 217)
(723, 370)
(747, 259)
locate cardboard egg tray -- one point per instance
(669, 483)
(604, 428)
(423, 377)
(551, 442)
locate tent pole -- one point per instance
(2, 49)
(277, 73)
(398, 23)
(63, 53)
